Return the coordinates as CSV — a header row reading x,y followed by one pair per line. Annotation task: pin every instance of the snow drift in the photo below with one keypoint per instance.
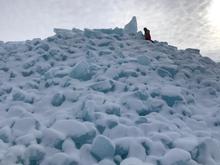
x,y
107,97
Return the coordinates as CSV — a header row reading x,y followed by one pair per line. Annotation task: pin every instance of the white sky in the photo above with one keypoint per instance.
x,y
184,23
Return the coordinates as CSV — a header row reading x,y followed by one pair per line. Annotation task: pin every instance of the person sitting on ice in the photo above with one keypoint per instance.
x,y
147,35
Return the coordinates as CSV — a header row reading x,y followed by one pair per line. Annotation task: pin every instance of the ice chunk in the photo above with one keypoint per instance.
x,y
156,147
72,96
192,51
167,70
70,127
131,27
105,43
34,154
143,60
155,105
17,111
19,95
87,113
123,131
106,162
113,109
27,73
42,68
75,130
107,122
13,155
137,105
141,94
171,95
6,134
171,100
102,147
60,159
68,146
58,99
116,30
93,33
207,152
86,156
81,71
134,161
43,45
52,138
103,86
54,53
64,33
58,72
23,126
141,120
187,143
30,63
26,140
2,51
176,156
125,73
129,147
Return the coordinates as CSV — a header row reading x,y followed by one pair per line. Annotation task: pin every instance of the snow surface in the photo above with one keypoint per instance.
x,y
107,97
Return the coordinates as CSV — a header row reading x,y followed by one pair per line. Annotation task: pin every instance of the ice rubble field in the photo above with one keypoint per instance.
x,y
107,97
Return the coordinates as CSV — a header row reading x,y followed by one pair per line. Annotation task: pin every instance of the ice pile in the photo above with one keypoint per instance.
x,y
107,97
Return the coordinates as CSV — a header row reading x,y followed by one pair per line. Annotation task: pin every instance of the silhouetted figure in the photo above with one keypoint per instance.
x,y
147,35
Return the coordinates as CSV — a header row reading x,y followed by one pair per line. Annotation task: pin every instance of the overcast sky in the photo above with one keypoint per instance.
x,y
184,23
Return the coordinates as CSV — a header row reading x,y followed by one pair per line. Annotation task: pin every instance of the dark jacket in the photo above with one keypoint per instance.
x,y
147,35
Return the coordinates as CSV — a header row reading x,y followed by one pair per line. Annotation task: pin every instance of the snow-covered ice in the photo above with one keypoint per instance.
x,y
107,97
131,27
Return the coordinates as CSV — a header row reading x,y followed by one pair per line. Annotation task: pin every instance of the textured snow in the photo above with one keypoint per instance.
x,y
107,97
